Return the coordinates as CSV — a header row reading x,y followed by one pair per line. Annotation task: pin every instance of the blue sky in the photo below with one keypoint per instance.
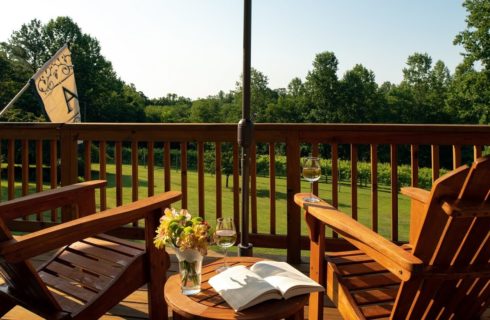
x,y
194,47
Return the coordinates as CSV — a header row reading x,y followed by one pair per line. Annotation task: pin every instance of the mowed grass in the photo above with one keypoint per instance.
x,y
263,199
263,202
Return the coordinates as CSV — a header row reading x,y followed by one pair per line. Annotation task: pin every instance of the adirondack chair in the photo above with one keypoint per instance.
x,y
92,271
442,273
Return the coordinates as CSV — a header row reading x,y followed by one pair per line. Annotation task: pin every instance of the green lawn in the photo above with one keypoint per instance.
x,y
263,208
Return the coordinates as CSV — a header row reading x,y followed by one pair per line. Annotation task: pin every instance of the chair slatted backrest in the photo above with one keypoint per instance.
x,y
23,280
454,245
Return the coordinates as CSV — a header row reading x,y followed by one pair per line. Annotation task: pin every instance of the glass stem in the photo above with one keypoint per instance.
x,y
311,189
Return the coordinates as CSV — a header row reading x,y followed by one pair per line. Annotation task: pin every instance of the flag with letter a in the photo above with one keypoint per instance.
x,y
55,84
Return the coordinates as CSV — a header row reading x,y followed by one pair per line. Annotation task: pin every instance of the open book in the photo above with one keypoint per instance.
x,y
241,287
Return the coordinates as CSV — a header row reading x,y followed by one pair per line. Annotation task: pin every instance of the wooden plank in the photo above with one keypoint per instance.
x,y
105,269
218,177
103,173
371,281
94,282
126,247
375,295
477,152
253,187
66,287
414,163
167,165
394,191
377,311
272,187
361,268
150,162
200,178
353,179
374,187
100,253
183,173
118,160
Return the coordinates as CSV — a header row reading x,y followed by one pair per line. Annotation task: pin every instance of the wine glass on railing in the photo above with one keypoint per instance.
x,y
225,237
312,172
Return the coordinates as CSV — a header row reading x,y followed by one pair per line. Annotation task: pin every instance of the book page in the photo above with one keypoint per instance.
x,y
242,288
284,277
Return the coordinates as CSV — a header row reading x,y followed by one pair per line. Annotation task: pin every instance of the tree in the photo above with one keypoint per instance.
x,y
322,88
103,96
476,38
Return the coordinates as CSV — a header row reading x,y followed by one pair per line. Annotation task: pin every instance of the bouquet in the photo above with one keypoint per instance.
x,y
180,230
190,237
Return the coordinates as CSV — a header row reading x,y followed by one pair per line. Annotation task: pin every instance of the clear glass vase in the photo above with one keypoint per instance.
x,y
190,265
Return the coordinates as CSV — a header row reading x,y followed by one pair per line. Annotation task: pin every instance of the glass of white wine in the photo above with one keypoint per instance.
x,y
225,237
312,172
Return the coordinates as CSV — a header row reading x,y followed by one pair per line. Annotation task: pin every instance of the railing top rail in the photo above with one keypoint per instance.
x,y
264,132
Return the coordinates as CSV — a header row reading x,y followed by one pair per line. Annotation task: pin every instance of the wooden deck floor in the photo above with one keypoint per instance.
x,y
135,306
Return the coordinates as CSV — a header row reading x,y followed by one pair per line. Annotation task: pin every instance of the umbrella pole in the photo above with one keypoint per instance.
x,y
245,130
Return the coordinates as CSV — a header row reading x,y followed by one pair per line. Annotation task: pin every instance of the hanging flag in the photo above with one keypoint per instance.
x,y
55,84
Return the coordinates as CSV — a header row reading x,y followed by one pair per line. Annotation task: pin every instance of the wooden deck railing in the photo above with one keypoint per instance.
x,y
37,156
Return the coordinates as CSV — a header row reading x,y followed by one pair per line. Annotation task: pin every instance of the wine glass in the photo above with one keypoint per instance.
x,y
225,237
312,172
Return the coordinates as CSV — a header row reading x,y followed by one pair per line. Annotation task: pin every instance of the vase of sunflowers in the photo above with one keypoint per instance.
x,y
189,236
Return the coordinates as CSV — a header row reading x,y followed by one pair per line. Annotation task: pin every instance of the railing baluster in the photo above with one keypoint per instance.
x,y
314,153
353,179
150,164
39,172
253,186
477,152
374,187
118,158
394,191
53,172
134,174
103,173
167,165
219,193
456,156
414,163
11,169
183,173
293,186
200,178
25,170
335,179
236,184
88,160
272,187
435,162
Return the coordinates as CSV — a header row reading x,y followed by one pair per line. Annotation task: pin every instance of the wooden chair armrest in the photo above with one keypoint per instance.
x,y
48,199
418,194
36,243
392,257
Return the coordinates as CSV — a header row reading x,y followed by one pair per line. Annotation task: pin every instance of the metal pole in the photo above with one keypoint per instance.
x,y
17,96
245,130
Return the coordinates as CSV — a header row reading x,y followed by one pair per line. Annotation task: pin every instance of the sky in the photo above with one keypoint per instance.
x,y
194,48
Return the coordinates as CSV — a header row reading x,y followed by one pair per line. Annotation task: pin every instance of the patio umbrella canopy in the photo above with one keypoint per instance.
x,y
245,130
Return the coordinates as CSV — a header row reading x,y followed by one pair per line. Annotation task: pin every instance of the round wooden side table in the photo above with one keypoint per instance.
x,y
208,304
